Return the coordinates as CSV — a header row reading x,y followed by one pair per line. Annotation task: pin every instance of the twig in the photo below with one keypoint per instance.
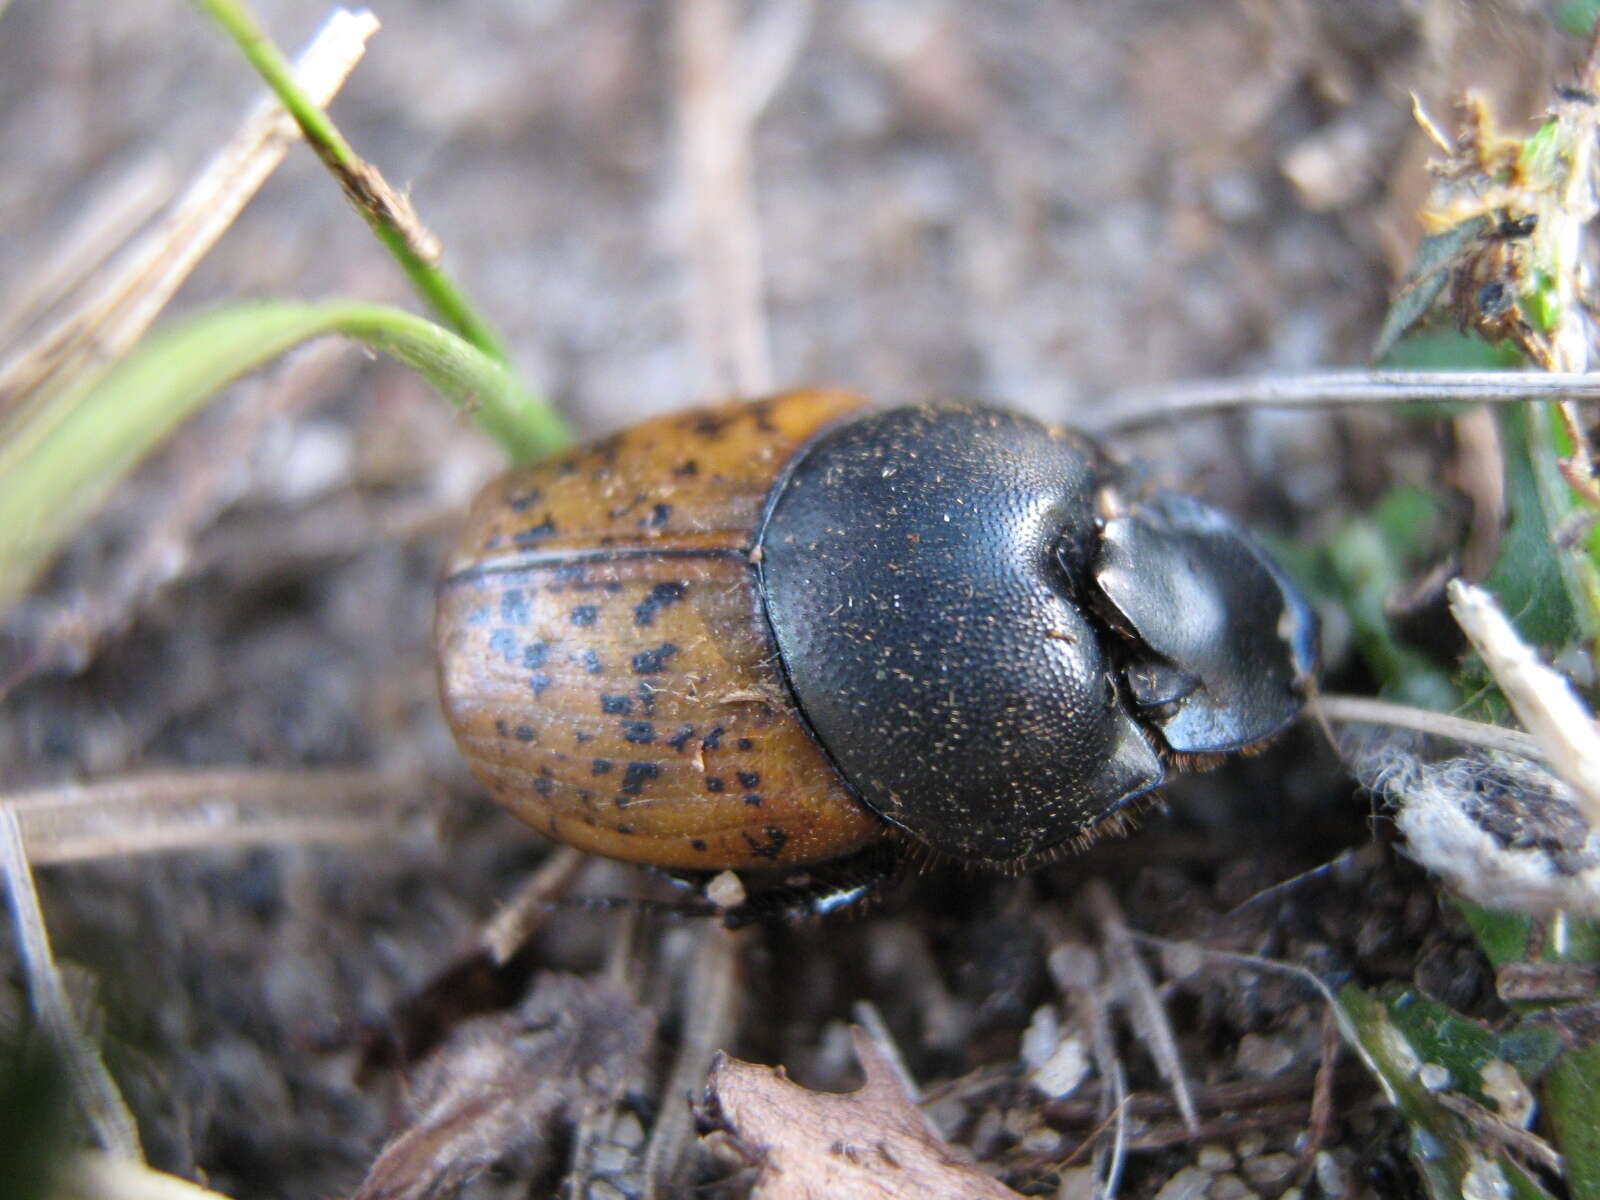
x,y
521,916
1361,710
92,1085
1321,1120
1347,1029
876,1030
709,1004
118,311
1134,409
64,633
1541,698
114,211
93,1176
1139,991
143,814
725,307
388,213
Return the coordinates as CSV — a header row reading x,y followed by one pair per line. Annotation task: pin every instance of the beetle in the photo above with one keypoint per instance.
x,y
774,634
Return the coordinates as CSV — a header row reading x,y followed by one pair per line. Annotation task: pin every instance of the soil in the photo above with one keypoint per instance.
x,y
1029,204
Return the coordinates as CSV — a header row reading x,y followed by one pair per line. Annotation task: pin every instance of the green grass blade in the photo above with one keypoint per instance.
x,y
57,471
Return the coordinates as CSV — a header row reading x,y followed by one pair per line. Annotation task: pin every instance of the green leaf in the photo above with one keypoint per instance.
x,y
1527,578
72,451
1430,272
1403,1031
1463,1047
1572,1095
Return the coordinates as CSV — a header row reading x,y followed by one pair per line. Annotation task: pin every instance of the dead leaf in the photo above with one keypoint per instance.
x,y
504,1087
870,1144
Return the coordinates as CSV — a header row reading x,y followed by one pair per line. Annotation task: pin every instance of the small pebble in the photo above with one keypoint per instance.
x,y
1215,1158
1041,1140
1040,1037
1078,1183
1268,1170
1261,1056
1248,1145
726,890
1434,1077
1510,1094
1230,1187
1188,1184
1330,1176
1065,1069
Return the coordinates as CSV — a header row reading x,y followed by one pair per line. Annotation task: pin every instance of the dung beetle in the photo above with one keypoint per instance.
x,y
776,633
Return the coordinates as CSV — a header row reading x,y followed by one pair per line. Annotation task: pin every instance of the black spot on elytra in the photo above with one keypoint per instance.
x,y
709,426
538,681
617,513
534,655
592,663
745,744
479,615
637,775
762,412
581,737
502,728
535,534
504,643
660,597
513,607
617,706
570,573
641,733
653,662
749,779
647,698
525,733
773,845
544,786
681,739
624,829
600,766
659,516
686,468
753,799
523,501
698,844
585,614
713,739
714,783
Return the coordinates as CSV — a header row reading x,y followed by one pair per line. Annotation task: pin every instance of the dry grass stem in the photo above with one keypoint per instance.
x,y
876,1030
520,918
1138,991
92,1086
709,1001
1542,699
727,318
134,290
1347,1029
92,1176
64,634
1136,408
189,810
127,203
1362,710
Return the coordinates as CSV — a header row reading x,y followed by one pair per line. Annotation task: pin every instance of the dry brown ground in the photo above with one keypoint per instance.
x,y
1029,203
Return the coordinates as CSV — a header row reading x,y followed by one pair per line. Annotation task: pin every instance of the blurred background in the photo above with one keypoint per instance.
x,y
1030,204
